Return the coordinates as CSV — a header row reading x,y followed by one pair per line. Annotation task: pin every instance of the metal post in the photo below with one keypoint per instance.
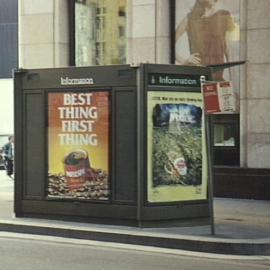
x,y
210,164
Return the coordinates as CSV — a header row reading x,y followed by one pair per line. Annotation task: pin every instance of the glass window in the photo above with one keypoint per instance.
x,y
100,32
226,130
226,144
224,135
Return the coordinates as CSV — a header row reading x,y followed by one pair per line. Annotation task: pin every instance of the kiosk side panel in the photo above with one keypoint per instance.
x,y
125,145
54,108
34,145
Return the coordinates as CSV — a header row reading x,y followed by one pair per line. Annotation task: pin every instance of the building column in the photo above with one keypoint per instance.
x,y
43,33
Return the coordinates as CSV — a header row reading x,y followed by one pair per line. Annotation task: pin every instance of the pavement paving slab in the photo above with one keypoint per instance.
x,y
242,227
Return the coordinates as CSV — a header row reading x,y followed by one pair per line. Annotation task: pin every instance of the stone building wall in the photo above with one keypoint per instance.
x,y
44,42
255,98
43,33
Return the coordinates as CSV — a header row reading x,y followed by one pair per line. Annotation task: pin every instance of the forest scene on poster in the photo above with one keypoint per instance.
x,y
78,145
176,147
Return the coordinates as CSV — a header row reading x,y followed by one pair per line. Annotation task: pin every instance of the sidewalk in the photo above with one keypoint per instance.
x,y
242,227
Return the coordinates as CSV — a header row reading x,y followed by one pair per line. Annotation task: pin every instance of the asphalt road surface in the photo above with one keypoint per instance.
x,y
21,252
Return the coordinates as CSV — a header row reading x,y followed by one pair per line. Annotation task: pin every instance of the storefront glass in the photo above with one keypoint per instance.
x,y
224,135
100,32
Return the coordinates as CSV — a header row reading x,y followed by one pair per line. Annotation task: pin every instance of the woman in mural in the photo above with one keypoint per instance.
x,y
207,29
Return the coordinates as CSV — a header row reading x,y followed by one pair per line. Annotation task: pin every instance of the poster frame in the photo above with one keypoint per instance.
x,y
171,189
186,70
46,107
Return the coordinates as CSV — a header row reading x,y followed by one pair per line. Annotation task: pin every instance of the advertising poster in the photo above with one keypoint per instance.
x,y
208,33
177,162
78,145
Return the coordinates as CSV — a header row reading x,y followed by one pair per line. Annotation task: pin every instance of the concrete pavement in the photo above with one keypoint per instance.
x,y
242,227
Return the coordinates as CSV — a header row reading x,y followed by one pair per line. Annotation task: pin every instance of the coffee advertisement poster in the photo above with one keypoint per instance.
x,y
78,145
177,162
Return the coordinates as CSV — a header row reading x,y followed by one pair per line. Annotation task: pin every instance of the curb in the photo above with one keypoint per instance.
x,y
214,245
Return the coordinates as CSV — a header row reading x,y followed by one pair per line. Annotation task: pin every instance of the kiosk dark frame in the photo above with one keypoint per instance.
x,y
128,204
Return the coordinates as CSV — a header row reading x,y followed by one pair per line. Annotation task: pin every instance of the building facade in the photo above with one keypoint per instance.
x,y
9,60
59,33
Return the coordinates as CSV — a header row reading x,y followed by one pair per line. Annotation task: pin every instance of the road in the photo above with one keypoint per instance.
x,y
21,252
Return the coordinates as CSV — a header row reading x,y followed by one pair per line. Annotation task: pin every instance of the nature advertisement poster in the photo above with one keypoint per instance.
x,y
78,145
177,161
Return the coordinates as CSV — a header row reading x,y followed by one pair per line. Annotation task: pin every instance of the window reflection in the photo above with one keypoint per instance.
x,y
224,135
100,32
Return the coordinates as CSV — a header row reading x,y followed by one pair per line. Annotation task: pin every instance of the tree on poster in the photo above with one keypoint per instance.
x,y
177,167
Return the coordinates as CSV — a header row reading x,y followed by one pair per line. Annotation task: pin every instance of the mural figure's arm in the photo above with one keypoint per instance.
x,y
193,59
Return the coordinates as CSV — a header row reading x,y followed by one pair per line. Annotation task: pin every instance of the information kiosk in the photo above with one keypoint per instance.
x,y
111,144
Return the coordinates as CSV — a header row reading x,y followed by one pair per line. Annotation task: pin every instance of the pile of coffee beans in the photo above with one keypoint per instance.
x,y
96,188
